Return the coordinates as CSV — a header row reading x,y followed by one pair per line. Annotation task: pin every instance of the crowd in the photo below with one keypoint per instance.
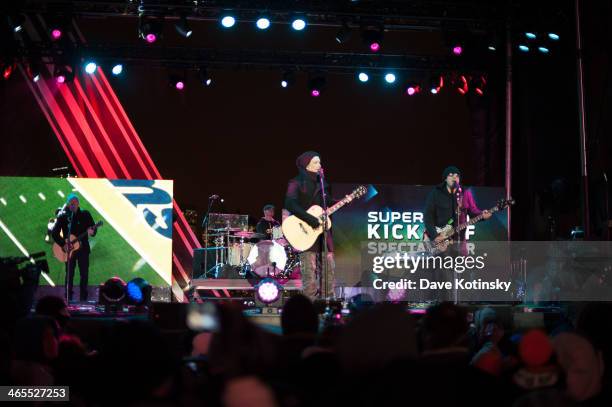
x,y
379,356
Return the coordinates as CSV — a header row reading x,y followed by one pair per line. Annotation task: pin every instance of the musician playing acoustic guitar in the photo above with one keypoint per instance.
x,y
75,221
303,191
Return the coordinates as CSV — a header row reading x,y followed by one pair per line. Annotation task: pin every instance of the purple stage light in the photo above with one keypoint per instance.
x,y
315,93
268,290
180,85
60,79
151,38
56,33
411,91
374,47
457,50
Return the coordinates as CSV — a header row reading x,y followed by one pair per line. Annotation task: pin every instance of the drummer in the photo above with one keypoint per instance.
x,y
267,223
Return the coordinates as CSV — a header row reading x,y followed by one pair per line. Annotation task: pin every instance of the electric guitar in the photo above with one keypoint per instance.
x,y
301,235
448,231
75,242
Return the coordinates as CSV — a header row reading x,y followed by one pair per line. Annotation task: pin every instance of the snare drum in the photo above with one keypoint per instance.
x,y
277,232
267,258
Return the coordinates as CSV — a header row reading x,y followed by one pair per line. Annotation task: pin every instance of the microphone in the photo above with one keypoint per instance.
x,y
321,171
457,186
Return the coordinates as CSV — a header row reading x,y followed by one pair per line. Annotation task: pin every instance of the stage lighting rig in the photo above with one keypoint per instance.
x,y
63,73
205,77
344,34
288,79
228,21
478,83
316,84
150,28
372,36
182,27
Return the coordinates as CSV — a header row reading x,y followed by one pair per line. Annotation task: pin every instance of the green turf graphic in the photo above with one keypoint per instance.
x,y
27,204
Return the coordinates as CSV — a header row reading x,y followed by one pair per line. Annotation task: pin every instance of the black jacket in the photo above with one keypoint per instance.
x,y
80,222
304,191
441,207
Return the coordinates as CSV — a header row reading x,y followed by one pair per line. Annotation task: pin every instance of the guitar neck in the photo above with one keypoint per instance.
x,y
474,220
337,205
82,235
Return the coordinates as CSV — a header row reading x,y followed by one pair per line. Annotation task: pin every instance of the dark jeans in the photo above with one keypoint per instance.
x,y
82,258
311,268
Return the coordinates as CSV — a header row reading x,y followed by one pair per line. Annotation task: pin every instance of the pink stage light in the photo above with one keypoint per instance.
x,y
60,79
56,34
151,38
315,93
412,90
374,47
457,50
180,85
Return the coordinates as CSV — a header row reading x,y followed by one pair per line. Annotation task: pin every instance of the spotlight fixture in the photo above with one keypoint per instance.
x,y
553,36
182,27
457,49
390,77
56,33
316,85
205,77
530,35
461,84
268,290
436,83
373,38
413,88
7,70
263,23
177,81
63,74
523,48
298,23
544,50
138,292
112,292
16,22
478,84
228,21
288,79
34,71
149,28
117,69
363,77
343,34
90,67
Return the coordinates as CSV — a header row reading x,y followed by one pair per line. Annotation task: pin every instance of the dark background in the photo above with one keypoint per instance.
x,y
240,138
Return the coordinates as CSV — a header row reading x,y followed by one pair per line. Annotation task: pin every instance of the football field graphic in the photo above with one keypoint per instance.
x,y
135,241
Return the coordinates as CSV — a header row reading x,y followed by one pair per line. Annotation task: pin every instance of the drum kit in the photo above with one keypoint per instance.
x,y
250,254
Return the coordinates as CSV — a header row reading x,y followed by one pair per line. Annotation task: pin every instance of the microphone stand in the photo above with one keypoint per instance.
x,y
211,200
325,232
70,216
459,196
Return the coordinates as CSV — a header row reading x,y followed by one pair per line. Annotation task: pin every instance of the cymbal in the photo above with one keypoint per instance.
x,y
249,235
226,229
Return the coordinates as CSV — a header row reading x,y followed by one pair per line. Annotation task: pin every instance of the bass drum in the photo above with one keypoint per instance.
x,y
267,259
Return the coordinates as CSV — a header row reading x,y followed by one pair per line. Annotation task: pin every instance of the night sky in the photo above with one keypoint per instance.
x,y
240,137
